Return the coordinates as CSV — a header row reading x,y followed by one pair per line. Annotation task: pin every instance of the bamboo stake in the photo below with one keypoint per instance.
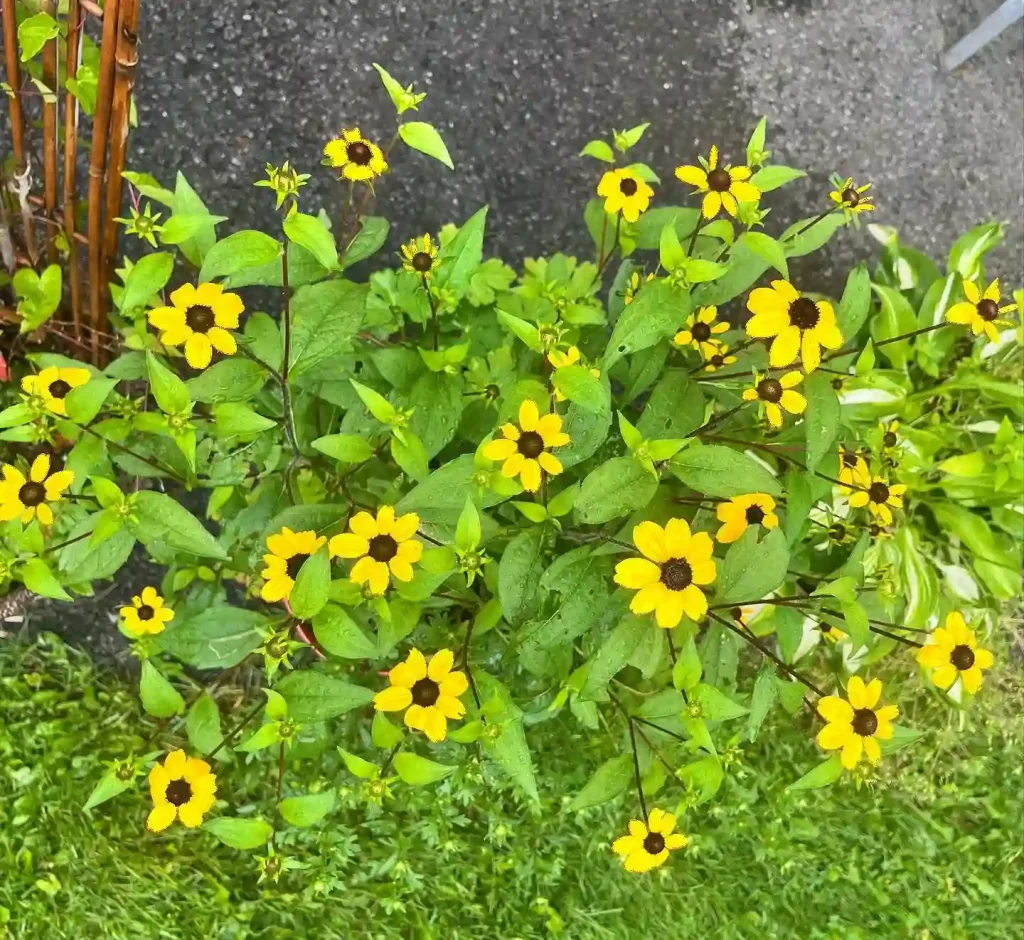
x,y
75,28
97,166
50,135
126,57
14,80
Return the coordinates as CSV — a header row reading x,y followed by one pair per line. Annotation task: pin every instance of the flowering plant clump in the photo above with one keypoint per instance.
x,y
432,510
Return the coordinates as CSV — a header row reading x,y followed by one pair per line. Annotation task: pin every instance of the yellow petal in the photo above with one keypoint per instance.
x,y
785,347
161,817
693,176
454,684
401,569
392,699
835,709
972,679
379,577
810,352
852,750
434,724
175,764
385,519
647,599
549,463
362,523
405,526
872,750
440,664
745,192
793,402
500,449
695,604
649,538
529,475
962,313
198,351
347,545
711,205
528,415
40,468
971,292
636,573
834,736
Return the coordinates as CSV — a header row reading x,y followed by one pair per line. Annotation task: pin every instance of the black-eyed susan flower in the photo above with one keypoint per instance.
x,y
719,359
853,469
879,496
668,579
743,511
648,844
878,532
428,693
356,157
420,256
30,498
890,437
199,318
288,553
571,357
52,385
634,285
724,186
182,788
831,633
526,450
799,325
384,546
777,395
623,190
699,330
856,726
839,533
147,613
851,198
981,310
953,652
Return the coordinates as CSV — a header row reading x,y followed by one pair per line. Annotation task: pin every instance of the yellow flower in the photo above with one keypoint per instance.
x,y
981,311
526,450
356,157
429,694
29,499
700,327
799,324
856,725
571,357
742,511
953,651
147,613
647,846
878,497
777,395
666,579
851,198
199,318
831,633
724,187
878,532
384,546
889,436
634,285
623,190
719,359
182,788
288,553
853,469
420,256
53,384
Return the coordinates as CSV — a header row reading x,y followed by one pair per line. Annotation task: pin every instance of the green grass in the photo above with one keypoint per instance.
x,y
933,849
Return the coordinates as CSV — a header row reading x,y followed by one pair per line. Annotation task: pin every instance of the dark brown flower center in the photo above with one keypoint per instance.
x,y
825,628
865,722
422,262
145,612
837,532
676,574
878,492
59,388
383,548
769,390
359,152
755,515
719,180
492,391
736,613
701,332
717,361
837,384
654,843
850,197
875,530
988,309
890,439
179,792
628,187
295,563
849,459
962,657
32,494
803,312
200,318
530,444
425,692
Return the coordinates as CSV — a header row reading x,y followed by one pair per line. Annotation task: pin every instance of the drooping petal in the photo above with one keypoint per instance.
x,y
810,351
872,750
434,724
785,347
549,463
695,604
198,350
161,817
646,599
529,476
852,750
669,610
711,205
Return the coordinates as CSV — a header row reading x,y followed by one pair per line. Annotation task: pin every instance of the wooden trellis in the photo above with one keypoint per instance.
x,y
31,224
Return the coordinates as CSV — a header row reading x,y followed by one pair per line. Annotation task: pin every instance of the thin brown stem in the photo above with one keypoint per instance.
x,y
14,80
50,132
615,243
812,223
286,398
636,768
75,22
234,732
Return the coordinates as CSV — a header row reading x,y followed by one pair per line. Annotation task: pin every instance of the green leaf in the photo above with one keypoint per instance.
x,y
608,781
234,379
160,518
652,223
147,278
349,448
703,777
418,771
968,250
895,318
187,202
16,415
670,250
245,249
84,561
376,404
39,579
384,733
613,654
821,421
309,595
325,318
168,390
519,573
423,137
764,246
364,769
403,99
617,487
901,738
180,228
242,834
716,470
753,569
715,706
755,145
233,419
109,786
577,384
766,691
84,403
341,636
460,258
309,232
372,234
655,314
824,775
34,32
798,245
772,177
306,810
599,150
855,303
675,408
468,532
203,725
314,696
525,330
999,570
687,670
215,638
410,455
510,751
159,698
